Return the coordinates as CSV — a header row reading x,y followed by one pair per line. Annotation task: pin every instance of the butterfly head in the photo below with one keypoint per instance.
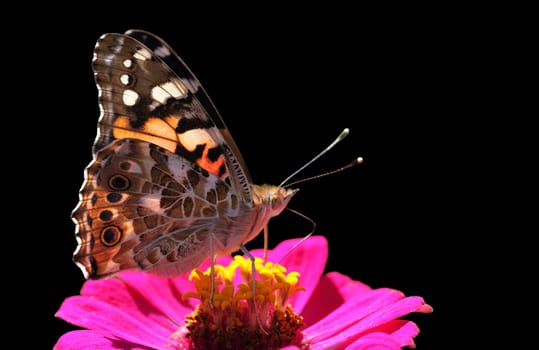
x,y
273,199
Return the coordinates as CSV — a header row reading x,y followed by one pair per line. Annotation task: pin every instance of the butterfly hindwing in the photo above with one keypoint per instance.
x,y
142,206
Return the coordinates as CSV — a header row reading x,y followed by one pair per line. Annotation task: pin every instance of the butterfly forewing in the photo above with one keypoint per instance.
x,y
162,50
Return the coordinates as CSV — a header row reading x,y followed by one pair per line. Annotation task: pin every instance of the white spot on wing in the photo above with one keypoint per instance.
x,y
142,54
162,51
159,94
127,63
108,58
125,79
173,88
194,137
130,97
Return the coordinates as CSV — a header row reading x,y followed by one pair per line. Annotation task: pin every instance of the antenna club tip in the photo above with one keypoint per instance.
x,y
359,160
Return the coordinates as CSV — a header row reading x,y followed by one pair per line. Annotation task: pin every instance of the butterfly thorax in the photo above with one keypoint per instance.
x,y
268,201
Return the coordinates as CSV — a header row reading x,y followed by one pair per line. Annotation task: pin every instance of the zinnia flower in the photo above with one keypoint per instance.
x,y
300,309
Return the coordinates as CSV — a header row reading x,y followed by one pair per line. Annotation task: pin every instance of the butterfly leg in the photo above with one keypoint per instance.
x,y
253,284
212,271
266,243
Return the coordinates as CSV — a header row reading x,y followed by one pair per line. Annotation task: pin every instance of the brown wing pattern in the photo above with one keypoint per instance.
x,y
142,206
142,97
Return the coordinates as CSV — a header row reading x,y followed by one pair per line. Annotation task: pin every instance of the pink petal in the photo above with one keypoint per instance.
x,y
142,296
128,325
375,341
129,293
393,311
347,287
93,340
352,311
332,291
163,294
403,332
382,312
393,335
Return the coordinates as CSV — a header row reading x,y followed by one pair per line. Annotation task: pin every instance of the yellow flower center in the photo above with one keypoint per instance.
x,y
239,317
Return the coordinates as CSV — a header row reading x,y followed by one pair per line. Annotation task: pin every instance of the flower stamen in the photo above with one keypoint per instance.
x,y
240,318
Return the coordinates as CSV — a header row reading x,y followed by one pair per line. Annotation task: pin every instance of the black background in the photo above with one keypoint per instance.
x,y
286,84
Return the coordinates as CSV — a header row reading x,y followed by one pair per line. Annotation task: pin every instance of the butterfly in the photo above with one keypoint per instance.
x,y
167,187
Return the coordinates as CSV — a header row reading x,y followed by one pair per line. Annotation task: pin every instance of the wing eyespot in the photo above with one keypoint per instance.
x,y
125,165
110,236
119,182
114,197
105,215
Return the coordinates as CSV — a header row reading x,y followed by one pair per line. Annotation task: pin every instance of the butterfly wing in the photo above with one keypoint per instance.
x,y
145,87
162,50
165,169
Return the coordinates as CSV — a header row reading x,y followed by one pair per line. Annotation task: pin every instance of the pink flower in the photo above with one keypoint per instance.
x,y
138,310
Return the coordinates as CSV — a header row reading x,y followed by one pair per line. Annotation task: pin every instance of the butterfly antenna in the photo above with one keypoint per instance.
x,y
339,138
355,162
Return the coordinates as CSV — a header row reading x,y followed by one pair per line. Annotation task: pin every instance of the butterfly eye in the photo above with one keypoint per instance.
x,y
111,236
119,182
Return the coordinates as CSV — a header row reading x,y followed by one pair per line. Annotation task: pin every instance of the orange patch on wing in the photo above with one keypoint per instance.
x,y
172,121
205,163
155,131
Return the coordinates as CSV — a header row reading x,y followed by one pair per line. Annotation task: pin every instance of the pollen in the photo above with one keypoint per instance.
x,y
240,316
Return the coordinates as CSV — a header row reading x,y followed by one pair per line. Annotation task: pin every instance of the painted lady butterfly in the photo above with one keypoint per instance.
x,y
167,187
